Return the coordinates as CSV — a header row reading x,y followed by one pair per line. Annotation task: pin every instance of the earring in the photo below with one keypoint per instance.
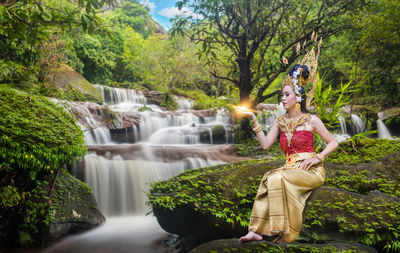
x,y
298,108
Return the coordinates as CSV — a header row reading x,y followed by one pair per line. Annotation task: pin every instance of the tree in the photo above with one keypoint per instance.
x,y
25,25
259,34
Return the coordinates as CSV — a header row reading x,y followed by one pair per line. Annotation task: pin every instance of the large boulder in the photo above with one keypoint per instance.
x,y
73,208
232,245
360,205
65,78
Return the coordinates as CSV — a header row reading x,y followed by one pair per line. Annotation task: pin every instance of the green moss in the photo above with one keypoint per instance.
x,y
366,150
169,102
221,246
372,220
37,137
70,194
70,93
144,108
254,149
228,191
229,197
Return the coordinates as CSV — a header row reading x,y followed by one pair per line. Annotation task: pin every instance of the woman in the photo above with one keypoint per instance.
x,y
282,193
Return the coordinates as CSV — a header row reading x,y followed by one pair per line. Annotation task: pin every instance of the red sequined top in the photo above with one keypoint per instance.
x,y
302,142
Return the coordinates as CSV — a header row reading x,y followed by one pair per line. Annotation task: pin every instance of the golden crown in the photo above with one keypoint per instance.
x,y
311,61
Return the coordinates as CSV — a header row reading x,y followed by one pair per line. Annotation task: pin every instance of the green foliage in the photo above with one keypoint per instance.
x,y
9,196
37,137
169,101
328,101
251,147
368,54
12,72
362,150
202,101
371,226
70,94
136,16
144,108
97,55
27,24
254,61
392,247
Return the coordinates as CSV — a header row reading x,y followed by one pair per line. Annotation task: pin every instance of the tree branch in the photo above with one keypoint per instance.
x,y
214,74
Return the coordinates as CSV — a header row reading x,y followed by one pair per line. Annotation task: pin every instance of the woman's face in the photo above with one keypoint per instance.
x,y
288,98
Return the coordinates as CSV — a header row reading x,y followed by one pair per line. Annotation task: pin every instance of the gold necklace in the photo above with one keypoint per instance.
x,y
291,125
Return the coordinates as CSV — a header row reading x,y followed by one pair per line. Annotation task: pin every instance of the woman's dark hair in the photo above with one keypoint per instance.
x,y
305,73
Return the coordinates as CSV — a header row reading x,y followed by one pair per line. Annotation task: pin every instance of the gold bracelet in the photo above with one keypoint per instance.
x,y
320,157
257,129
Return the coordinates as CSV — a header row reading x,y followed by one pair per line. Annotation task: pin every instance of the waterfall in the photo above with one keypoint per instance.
x,y
156,145
360,125
118,184
343,126
120,95
383,131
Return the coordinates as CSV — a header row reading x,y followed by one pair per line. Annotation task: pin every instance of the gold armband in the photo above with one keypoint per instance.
x,y
257,129
320,157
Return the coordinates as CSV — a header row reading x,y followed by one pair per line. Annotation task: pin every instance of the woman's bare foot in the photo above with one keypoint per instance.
x,y
281,241
251,236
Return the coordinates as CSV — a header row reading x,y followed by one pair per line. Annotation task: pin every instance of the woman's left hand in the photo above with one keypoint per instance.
x,y
307,163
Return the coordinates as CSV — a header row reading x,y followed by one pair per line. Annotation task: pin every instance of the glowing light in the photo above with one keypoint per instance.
x,y
242,109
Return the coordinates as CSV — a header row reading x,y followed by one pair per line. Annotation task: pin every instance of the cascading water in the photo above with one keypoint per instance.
x,y
383,131
121,161
132,142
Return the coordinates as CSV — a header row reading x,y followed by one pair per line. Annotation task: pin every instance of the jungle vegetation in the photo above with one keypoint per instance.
x,y
234,51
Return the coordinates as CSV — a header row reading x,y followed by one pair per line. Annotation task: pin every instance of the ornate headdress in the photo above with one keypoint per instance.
x,y
296,80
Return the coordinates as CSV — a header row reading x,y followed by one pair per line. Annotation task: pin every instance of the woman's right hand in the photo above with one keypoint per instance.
x,y
247,114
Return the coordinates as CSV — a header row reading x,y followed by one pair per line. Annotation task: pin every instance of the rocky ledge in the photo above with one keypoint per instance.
x,y
359,202
73,208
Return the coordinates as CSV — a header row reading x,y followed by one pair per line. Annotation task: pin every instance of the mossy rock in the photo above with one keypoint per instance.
x,y
333,214
37,137
233,246
67,79
164,99
218,134
355,151
212,203
73,208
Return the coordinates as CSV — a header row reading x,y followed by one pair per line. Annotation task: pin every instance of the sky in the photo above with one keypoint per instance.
x,y
163,10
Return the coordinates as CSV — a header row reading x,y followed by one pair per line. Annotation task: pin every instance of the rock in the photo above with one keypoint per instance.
x,y
218,134
167,153
338,215
73,208
390,112
153,97
92,115
330,215
391,117
215,203
165,99
64,77
205,113
232,245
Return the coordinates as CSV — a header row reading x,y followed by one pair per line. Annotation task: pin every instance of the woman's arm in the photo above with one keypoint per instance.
x,y
266,141
319,127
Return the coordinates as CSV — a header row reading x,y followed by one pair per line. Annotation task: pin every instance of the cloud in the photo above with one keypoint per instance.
x,y
150,5
173,11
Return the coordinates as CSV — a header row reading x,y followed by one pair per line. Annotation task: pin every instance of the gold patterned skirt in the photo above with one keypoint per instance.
x,y
282,195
